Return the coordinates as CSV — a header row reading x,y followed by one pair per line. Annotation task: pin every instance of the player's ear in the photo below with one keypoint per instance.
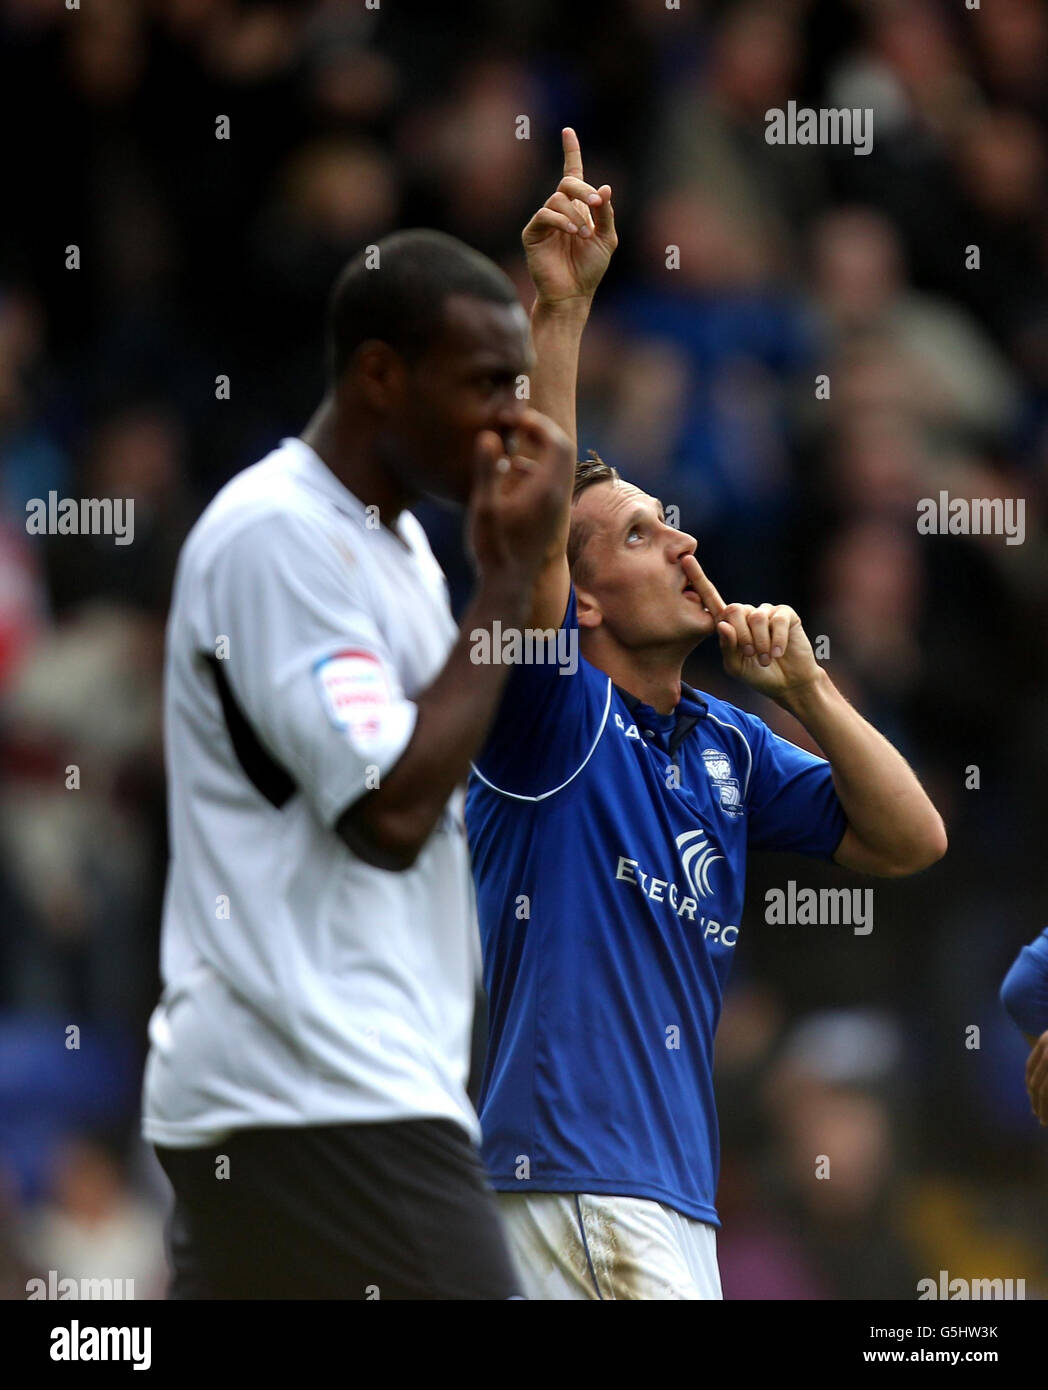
x,y
587,608
380,374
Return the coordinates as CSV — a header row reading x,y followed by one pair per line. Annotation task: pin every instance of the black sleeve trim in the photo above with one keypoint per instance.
x,y
262,770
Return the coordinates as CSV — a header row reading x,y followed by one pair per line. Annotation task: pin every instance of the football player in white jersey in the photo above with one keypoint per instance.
x,y
305,1088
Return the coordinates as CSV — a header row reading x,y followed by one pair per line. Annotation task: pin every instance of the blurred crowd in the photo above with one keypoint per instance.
x,y
202,258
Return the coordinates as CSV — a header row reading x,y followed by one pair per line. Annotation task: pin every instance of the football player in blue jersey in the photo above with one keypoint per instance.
x,y
1024,995
610,814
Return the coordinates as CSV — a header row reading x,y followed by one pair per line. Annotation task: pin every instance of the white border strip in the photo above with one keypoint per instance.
x,y
514,796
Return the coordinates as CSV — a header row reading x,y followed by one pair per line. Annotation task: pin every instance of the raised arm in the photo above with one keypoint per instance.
x,y
568,244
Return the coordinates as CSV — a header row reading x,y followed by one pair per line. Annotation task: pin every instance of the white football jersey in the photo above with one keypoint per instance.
x,y
301,985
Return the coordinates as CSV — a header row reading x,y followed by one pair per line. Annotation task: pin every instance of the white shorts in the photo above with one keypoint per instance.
x,y
575,1246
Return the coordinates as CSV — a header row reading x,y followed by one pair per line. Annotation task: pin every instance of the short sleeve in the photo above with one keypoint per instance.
x,y
792,804
1024,992
551,714
305,659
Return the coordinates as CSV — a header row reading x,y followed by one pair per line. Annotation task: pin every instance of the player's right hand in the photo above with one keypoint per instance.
x,y
570,240
519,496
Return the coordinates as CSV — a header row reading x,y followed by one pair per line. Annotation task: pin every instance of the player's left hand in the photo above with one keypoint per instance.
x,y
1037,1078
569,241
765,646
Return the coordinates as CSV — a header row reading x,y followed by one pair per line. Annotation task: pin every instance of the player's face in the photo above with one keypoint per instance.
x,y
632,578
467,382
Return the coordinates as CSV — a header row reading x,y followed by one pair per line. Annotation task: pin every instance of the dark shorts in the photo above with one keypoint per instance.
x,y
395,1210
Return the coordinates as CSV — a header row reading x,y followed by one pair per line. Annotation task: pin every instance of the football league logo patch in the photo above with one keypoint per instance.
x,y
355,694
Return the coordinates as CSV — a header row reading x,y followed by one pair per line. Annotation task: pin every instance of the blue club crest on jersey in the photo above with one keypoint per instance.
x,y
721,774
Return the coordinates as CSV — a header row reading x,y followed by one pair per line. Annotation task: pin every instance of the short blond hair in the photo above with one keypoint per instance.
x,y
588,472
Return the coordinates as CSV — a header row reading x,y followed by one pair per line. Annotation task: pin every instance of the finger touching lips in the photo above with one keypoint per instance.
x,y
695,576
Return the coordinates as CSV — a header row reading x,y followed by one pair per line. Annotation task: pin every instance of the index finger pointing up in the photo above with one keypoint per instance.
x,y
572,152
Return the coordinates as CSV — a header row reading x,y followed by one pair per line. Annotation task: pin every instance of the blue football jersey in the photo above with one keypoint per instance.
x,y
609,853
1024,992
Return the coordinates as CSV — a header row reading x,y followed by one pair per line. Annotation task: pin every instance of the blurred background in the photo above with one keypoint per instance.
x,y
202,257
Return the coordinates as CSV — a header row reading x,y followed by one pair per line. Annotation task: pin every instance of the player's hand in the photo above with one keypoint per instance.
x,y
765,646
1037,1078
519,496
570,239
